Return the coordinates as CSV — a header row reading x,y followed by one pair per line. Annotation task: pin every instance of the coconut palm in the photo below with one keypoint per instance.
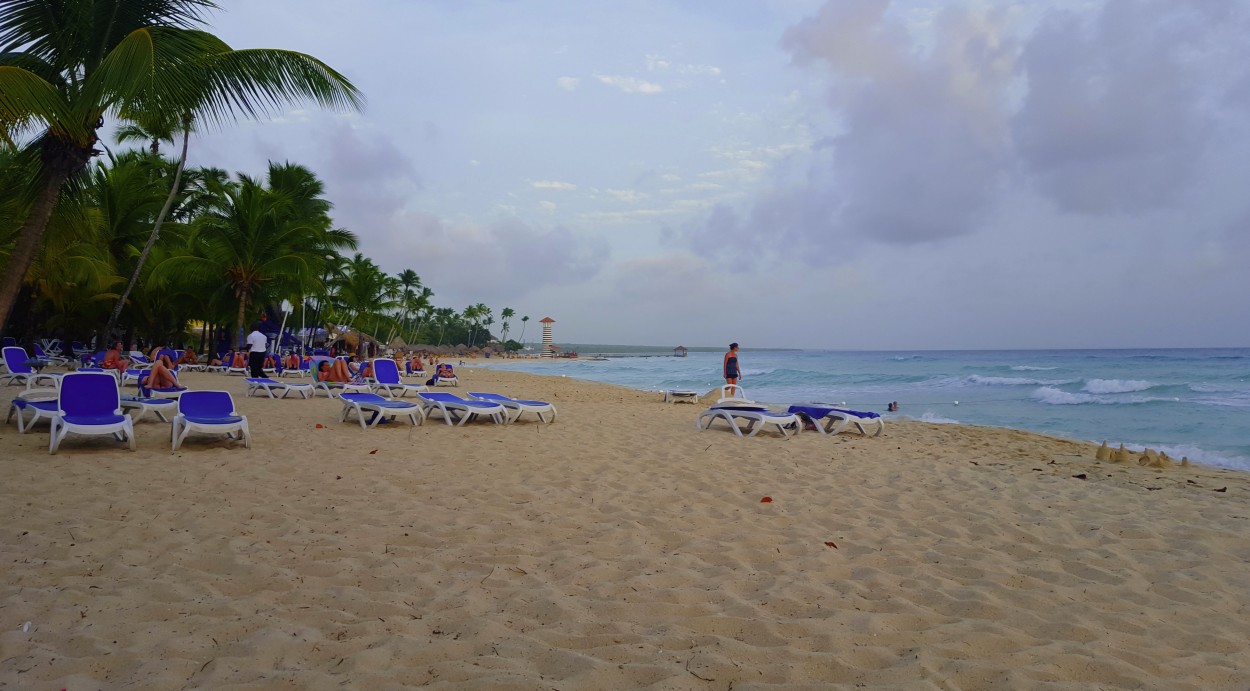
x,y
65,65
524,323
255,240
506,316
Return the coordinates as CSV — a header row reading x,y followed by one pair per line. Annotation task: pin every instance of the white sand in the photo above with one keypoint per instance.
x,y
617,548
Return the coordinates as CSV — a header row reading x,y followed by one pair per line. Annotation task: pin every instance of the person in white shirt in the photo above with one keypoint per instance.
x,y
256,346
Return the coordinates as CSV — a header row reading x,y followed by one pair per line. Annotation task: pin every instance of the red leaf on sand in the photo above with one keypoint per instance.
x,y
373,451
766,500
319,425
831,544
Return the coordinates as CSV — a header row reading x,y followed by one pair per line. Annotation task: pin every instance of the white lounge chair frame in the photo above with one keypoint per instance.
x,y
462,411
385,408
839,419
183,427
516,407
269,385
757,418
733,394
123,429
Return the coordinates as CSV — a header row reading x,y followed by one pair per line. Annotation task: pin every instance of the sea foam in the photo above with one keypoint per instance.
x,y
1116,385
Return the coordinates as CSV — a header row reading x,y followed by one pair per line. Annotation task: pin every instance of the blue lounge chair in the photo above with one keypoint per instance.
x,y
41,354
212,412
410,372
386,378
838,419
22,370
757,418
445,375
175,391
90,403
381,408
457,410
40,408
334,388
516,406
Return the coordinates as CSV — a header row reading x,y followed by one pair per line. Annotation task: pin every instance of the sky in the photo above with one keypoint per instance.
x,y
843,174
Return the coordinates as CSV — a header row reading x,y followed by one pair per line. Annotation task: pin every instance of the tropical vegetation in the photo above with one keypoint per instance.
x,y
137,246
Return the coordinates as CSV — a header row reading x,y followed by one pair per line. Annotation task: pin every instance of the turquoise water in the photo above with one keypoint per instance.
x,y
1186,402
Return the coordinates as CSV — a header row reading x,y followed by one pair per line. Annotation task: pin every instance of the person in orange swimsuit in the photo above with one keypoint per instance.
x,y
115,360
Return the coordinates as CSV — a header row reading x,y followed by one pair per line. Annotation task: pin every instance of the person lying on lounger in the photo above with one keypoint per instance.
x,y
291,361
161,375
239,361
188,358
333,370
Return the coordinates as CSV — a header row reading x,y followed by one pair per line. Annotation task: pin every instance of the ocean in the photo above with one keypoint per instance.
x,y
1185,402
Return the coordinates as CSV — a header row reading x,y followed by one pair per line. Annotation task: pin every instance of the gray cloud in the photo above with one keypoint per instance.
x,y
1101,109
509,259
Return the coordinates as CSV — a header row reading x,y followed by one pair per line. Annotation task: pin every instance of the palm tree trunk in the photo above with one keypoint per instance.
x,y
156,231
242,313
28,239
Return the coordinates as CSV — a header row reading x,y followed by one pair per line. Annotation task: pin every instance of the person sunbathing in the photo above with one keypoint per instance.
x,y
114,360
161,375
188,358
415,364
333,371
271,361
291,361
239,361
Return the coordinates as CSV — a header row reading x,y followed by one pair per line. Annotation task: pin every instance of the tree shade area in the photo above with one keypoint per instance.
x,y
135,246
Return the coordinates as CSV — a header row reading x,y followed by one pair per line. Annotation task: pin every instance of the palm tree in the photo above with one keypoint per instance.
x,y
506,315
255,240
67,64
524,323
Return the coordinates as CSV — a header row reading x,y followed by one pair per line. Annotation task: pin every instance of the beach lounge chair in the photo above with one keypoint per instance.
x,y
334,388
457,410
175,391
212,412
516,406
410,372
90,403
381,409
41,403
681,396
837,419
22,369
386,378
445,375
732,394
138,406
757,418
302,371
271,385
49,355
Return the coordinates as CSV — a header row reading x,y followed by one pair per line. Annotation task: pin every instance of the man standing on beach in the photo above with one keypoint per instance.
x,y
732,372
256,345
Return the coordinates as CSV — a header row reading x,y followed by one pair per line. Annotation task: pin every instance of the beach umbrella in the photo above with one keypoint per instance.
x,y
286,310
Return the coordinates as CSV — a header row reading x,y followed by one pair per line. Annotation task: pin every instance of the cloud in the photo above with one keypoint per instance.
x,y
1117,114
553,185
630,85
568,83
627,195
510,259
937,127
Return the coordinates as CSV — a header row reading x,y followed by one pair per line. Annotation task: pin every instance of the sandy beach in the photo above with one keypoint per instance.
x,y
616,548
